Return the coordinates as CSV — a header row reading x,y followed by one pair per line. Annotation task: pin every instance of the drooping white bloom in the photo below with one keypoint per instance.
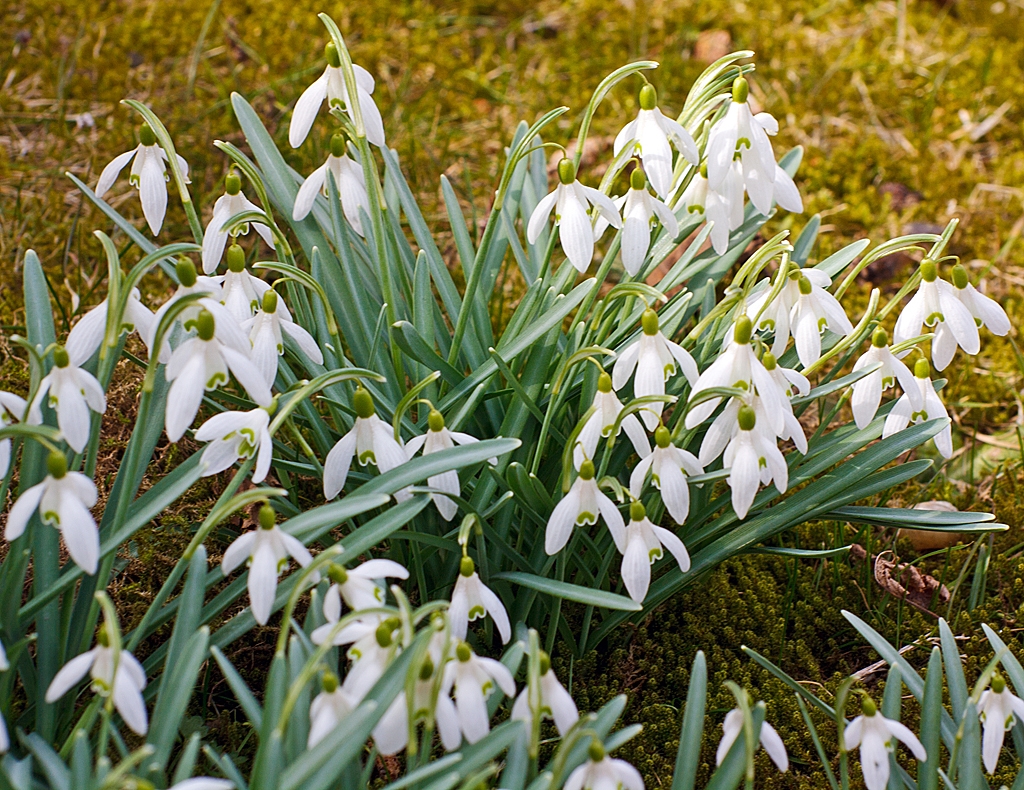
x,y
555,702
997,707
739,367
582,505
876,736
349,180
237,436
774,316
473,678
769,739
753,458
654,357
742,131
438,437
241,292
867,391
265,333
331,86
928,407
607,408
640,209
723,206
785,191
472,599
329,708
11,406
229,204
120,675
358,587
814,311
668,466
652,134
86,336
571,201
63,500
986,311
373,649
148,175
371,441
188,283
601,772
267,549
936,305
73,392
202,363
645,544
790,429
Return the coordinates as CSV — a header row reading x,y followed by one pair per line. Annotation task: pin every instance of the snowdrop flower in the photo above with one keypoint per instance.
x,y
774,316
188,283
357,587
581,505
203,783
241,292
72,393
331,86
148,175
472,599
654,357
650,135
996,708
668,466
790,428
571,201
474,678
371,441
732,726
438,437
371,654
723,206
737,366
936,304
349,180
753,459
265,333
607,408
986,311
11,406
216,236
86,336
639,211
876,736
329,708
267,549
790,382
814,311
63,500
867,391
601,772
202,363
740,129
555,701
785,191
928,407
645,544
118,674
237,436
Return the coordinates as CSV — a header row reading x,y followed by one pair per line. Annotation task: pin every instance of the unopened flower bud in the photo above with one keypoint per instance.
x,y
270,301
637,179
747,418
805,285
587,470
268,518
922,369
186,272
596,751
338,145
236,259
880,338
103,637
329,682
56,465
637,511
743,330
929,270
604,382
435,421
998,684
232,183
566,171
205,325
60,357
363,403
467,567
868,707
740,90
463,652
662,437
146,135
337,573
331,53
545,663
648,97
426,668
960,278
769,361
383,633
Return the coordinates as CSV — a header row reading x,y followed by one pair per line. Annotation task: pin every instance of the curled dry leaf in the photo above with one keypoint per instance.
x,y
905,581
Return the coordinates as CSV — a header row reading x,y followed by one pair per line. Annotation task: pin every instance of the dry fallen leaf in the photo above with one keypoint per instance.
x,y
905,581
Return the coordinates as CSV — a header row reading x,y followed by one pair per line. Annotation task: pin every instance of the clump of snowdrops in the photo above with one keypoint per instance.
x,y
330,355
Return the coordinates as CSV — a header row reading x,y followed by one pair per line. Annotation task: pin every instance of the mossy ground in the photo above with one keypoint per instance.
x,y
889,99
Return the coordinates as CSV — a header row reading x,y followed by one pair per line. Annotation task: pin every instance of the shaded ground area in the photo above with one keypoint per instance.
x,y
910,114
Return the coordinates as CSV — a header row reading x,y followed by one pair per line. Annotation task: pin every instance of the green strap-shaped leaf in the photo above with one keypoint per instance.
x,y
570,592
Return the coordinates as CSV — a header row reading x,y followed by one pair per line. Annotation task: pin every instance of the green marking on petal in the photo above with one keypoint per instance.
x,y
477,612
